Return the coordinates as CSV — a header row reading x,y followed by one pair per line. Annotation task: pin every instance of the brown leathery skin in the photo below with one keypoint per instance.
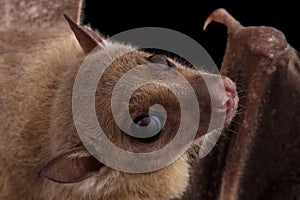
x,y
260,157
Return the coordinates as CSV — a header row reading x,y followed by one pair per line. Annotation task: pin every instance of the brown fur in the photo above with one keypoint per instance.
x,y
32,109
37,72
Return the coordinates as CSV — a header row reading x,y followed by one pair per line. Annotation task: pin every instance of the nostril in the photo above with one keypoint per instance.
x,y
230,94
228,103
230,87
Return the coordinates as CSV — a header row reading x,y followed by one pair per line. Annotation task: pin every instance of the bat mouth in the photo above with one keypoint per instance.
x,y
231,107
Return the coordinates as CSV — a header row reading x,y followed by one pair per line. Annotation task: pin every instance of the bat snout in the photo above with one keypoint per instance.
x,y
218,101
231,99
231,93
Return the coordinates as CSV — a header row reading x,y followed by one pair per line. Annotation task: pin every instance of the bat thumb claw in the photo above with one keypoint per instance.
x,y
206,23
223,17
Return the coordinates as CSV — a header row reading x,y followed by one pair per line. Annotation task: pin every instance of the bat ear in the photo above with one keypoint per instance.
x,y
71,166
87,38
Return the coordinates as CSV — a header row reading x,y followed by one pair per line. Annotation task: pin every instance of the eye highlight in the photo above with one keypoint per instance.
x,y
147,128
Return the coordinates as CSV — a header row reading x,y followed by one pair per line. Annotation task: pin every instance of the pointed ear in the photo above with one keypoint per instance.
x,y
71,166
87,38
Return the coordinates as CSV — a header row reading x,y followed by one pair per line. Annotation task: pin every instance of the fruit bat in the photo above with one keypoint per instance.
x,y
41,153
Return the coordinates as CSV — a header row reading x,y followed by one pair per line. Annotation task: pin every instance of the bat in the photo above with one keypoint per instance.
x,y
260,156
42,155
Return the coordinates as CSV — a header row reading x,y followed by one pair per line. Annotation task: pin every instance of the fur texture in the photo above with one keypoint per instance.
x,y
36,124
37,72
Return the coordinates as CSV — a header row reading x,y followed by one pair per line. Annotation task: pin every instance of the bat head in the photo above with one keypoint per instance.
x,y
155,115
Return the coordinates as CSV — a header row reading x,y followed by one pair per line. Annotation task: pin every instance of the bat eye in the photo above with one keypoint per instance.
x,y
147,128
161,60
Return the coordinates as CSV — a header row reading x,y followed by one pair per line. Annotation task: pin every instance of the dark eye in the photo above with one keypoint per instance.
x,y
161,60
146,128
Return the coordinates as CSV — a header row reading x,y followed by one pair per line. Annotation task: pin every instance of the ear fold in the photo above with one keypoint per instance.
x,y
71,166
87,38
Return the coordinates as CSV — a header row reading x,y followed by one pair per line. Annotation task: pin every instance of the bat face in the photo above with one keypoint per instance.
x,y
162,93
151,127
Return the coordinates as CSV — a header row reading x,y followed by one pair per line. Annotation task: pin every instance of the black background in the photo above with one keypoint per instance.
x,y
111,17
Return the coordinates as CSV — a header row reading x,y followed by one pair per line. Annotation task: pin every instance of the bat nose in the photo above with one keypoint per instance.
x,y
217,98
232,99
230,87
